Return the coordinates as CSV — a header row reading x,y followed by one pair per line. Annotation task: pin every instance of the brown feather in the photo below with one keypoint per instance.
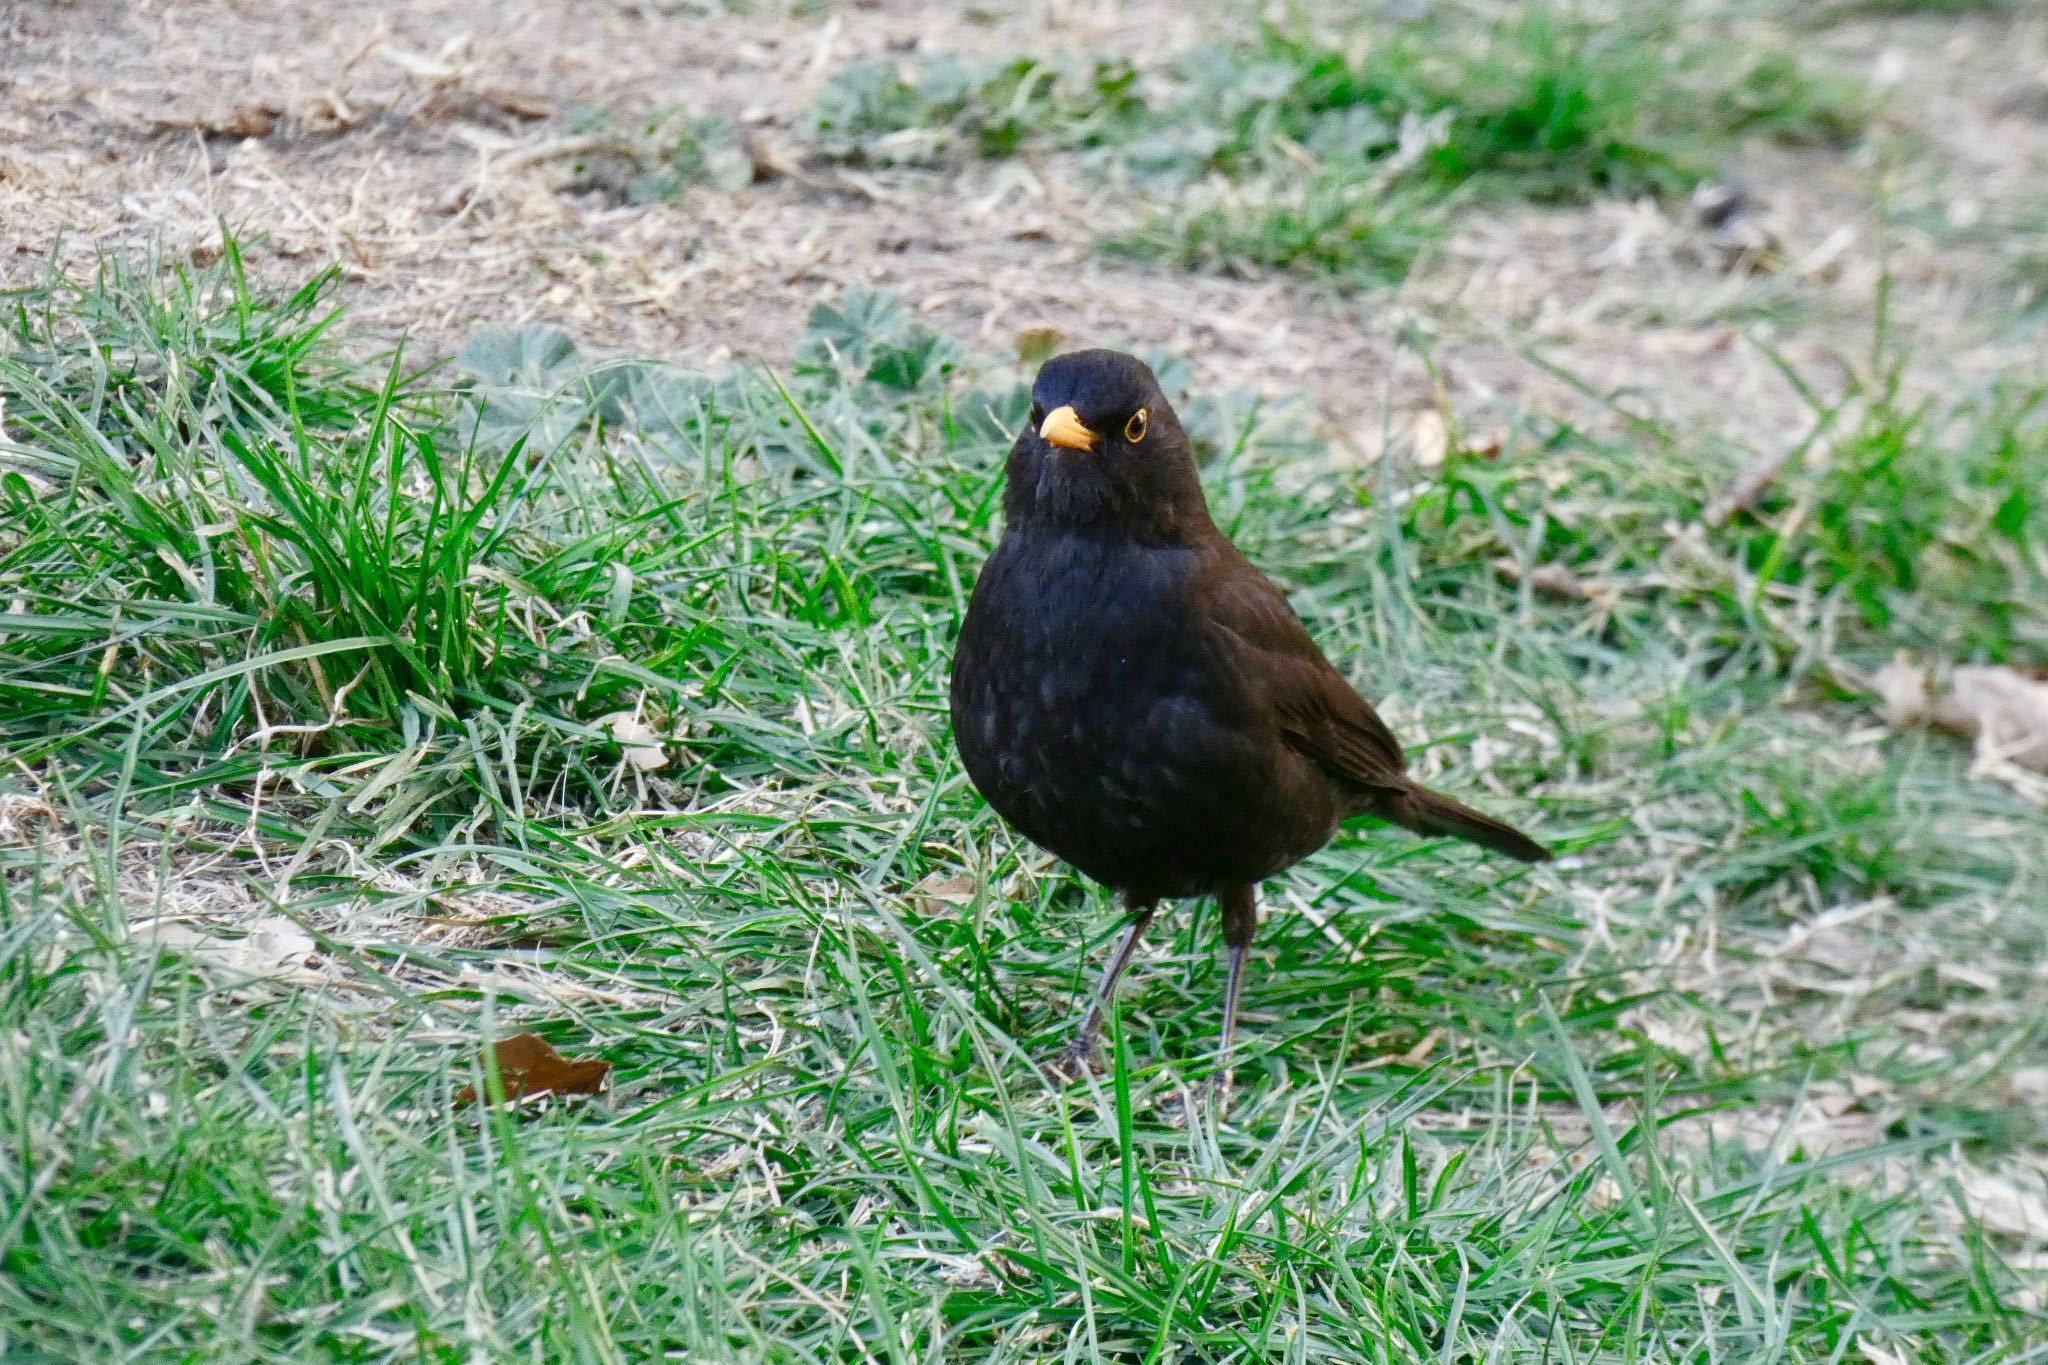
x,y
1412,806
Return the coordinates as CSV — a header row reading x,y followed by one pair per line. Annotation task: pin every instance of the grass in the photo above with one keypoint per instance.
x,y
1898,523
379,654
658,156
1343,154
877,111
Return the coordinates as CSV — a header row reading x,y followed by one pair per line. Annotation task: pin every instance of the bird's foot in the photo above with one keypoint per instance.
x,y
1078,1059
1220,1088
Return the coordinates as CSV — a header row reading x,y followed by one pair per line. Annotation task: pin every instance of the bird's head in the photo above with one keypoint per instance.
x,y
1104,447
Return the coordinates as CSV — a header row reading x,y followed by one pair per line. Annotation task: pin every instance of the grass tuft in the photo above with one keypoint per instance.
x,y
1340,155
882,112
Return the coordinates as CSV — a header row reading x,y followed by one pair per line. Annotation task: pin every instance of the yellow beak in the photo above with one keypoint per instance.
x,y
1066,430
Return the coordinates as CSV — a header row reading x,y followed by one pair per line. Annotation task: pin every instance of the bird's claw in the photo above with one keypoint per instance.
x,y
1078,1059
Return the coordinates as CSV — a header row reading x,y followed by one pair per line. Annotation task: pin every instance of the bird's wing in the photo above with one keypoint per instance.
x,y
1318,712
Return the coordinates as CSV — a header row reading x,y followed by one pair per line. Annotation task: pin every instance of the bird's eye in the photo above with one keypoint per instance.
x,y
1134,430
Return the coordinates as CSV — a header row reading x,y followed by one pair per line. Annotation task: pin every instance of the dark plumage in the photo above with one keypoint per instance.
x,y
1134,696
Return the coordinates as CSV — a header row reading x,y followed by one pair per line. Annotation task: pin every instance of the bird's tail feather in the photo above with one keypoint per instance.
x,y
1427,812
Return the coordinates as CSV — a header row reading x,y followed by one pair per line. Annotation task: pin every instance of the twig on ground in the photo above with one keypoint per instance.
x,y
519,158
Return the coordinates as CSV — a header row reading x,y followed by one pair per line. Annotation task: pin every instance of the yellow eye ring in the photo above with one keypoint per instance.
x,y
1134,430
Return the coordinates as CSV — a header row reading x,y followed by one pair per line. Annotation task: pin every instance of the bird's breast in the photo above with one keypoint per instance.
x,y
1073,621
1093,711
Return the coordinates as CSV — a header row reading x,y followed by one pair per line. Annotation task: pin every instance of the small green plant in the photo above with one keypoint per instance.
x,y
1540,101
668,151
1931,522
867,336
1917,524
678,149
1797,103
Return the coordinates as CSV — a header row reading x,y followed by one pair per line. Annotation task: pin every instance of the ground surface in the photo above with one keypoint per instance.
x,y
126,127
658,766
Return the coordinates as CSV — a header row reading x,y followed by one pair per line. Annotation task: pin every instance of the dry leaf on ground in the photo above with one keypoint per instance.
x,y
1429,438
272,946
528,1066
940,892
2010,1202
638,742
25,818
2001,708
1418,434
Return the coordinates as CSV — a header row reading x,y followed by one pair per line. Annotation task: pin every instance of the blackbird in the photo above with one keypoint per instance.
x,y
1134,696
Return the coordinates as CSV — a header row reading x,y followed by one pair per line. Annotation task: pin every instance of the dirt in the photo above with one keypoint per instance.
x,y
420,148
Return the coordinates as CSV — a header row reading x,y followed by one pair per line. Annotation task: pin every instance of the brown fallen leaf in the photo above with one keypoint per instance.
x,y
2001,708
528,1066
939,892
1487,445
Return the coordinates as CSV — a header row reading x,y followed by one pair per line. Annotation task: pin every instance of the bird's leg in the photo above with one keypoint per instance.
x,y
1240,921
1082,1051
